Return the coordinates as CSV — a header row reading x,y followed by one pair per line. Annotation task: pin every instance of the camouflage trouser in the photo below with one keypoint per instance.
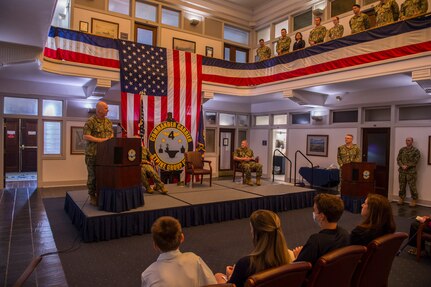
x,y
409,178
248,167
147,172
90,161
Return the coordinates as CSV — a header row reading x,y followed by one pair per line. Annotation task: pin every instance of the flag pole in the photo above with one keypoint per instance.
x,y
141,118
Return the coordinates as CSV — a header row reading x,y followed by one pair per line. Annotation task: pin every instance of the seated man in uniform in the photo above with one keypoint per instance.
x,y
248,163
148,171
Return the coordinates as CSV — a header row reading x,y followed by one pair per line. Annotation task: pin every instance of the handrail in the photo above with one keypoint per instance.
x,y
312,166
273,165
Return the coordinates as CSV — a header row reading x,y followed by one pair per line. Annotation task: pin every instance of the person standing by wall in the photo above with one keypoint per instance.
x,y
97,129
407,159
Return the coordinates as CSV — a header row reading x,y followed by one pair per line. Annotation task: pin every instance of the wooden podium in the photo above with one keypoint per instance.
x,y
118,174
357,178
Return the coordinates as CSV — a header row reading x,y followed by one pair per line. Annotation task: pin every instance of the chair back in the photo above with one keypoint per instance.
x,y
292,275
336,268
194,158
375,265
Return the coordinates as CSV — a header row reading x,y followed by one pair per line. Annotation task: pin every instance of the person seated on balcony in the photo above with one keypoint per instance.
x,y
327,210
378,220
148,172
174,268
414,226
245,155
270,249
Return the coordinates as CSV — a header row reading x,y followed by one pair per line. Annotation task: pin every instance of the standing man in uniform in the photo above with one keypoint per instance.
x,y
248,162
148,171
97,129
263,52
336,31
359,22
317,35
411,8
387,11
407,159
348,152
283,44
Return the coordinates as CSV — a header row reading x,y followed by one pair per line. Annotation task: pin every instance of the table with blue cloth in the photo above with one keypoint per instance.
x,y
320,176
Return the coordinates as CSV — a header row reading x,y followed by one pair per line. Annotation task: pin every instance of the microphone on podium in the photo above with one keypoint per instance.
x,y
122,128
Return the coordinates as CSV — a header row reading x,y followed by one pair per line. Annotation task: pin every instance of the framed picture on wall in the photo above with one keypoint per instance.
x,y
317,145
104,28
184,45
77,142
429,150
83,26
209,51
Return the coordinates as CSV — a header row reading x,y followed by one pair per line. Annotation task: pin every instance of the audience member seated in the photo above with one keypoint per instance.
x,y
414,229
172,267
299,43
270,249
377,220
327,210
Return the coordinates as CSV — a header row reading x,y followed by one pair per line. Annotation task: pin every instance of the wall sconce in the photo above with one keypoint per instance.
x,y
194,22
317,118
338,98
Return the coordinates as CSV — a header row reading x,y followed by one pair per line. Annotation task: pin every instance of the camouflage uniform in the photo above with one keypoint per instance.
x,y
386,12
263,53
248,166
347,154
317,35
410,157
336,32
411,8
359,23
283,44
147,172
99,128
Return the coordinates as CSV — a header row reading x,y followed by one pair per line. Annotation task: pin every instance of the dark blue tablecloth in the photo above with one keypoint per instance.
x,y
320,176
119,200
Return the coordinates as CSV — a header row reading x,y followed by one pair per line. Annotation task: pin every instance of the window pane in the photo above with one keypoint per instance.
x,y
243,120
52,108
170,17
210,118
146,11
20,106
301,119
114,112
227,120
145,36
210,140
345,117
283,24
235,35
119,6
52,138
264,34
242,135
227,53
262,120
280,119
303,20
341,6
240,56
415,113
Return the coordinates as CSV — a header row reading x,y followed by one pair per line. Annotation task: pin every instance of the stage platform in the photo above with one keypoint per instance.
x,y
202,204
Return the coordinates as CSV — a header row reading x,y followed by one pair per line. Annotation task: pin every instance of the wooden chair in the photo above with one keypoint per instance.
x,y
292,275
336,268
195,165
421,237
237,168
374,267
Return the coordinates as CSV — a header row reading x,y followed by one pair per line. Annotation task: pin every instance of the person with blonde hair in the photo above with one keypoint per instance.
x,y
378,220
270,249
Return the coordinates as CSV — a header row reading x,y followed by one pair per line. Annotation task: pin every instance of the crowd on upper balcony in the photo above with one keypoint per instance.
x,y
386,12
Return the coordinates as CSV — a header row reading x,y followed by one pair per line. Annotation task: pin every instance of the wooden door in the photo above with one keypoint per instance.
x,y
227,141
11,145
375,147
28,145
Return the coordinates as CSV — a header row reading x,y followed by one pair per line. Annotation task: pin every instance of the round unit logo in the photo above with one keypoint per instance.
x,y
131,154
168,142
366,174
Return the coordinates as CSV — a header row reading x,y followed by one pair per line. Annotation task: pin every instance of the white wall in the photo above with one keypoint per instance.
x,y
255,141
421,141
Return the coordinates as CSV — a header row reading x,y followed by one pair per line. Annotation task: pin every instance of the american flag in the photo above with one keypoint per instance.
x,y
171,81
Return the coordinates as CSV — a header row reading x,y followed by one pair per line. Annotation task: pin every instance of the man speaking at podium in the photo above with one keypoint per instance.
x,y
348,152
97,129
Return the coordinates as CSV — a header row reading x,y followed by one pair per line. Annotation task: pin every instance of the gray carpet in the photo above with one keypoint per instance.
x,y
120,262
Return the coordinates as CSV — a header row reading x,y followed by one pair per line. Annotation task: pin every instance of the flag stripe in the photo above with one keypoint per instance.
x,y
188,91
